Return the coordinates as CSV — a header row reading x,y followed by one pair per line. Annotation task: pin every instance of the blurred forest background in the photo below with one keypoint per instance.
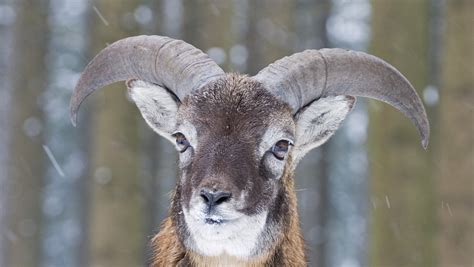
x,y
95,195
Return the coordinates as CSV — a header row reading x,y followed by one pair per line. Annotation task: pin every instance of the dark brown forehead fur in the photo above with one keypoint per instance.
x,y
240,102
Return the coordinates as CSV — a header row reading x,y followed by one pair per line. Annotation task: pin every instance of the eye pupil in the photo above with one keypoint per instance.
x,y
280,149
181,142
282,145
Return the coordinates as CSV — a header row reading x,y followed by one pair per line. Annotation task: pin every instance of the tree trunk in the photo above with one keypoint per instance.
x,y
28,80
456,144
64,196
6,48
207,25
271,32
117,226
401,171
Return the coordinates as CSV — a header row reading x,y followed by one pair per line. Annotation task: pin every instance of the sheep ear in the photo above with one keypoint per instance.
x,y
157,105
316,123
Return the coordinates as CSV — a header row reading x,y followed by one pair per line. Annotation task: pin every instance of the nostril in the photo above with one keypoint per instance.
x,y
206,196
221,197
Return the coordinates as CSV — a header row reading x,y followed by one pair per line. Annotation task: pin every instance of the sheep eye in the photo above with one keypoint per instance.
x,y
181,142
280,149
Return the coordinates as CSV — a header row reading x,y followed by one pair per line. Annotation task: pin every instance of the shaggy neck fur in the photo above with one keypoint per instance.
x,y
287,248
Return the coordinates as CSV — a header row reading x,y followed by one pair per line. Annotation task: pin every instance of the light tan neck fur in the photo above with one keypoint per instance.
x,y
225,260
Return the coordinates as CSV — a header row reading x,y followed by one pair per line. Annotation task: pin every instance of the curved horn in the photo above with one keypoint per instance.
x,y
174,64
304,77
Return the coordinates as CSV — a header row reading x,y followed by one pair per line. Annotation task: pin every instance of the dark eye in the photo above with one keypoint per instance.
x,y
280,149
181,142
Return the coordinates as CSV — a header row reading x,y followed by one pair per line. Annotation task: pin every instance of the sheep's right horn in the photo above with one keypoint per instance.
x,y
304,77
174,64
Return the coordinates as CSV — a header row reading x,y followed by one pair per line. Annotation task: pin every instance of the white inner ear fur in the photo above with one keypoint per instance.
x,y
157,106
319,121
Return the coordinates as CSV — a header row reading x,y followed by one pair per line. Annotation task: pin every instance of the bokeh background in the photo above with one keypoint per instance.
x,y
95,195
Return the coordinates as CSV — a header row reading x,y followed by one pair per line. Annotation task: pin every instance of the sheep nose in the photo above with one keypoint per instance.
x,y
214,198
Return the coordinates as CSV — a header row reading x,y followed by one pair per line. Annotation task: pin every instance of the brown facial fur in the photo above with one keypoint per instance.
x,y
230,117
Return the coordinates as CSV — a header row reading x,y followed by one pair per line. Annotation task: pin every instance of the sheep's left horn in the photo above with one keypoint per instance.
x,y
304,77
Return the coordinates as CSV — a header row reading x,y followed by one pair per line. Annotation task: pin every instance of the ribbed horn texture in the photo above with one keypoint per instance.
x,y
304,77
174,64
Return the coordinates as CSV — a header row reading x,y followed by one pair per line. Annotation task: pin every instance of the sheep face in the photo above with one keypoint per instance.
x,y
238,140
234,141
237,143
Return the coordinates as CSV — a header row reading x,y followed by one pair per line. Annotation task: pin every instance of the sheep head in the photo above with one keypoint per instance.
x,y
239,138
